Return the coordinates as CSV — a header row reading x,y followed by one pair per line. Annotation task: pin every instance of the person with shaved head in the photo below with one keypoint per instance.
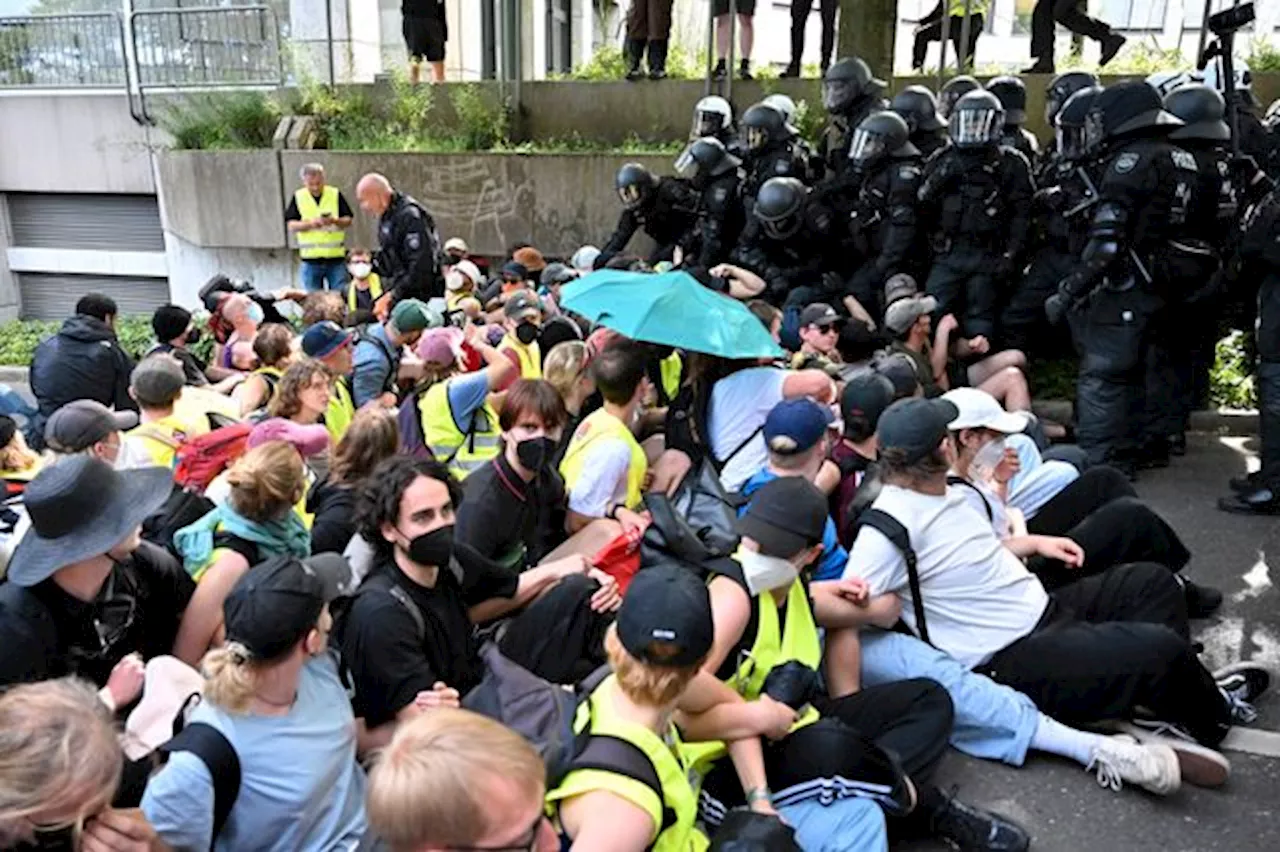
x,y
408,257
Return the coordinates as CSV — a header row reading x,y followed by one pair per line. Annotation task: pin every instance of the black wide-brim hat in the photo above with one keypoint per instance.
x,y
82,507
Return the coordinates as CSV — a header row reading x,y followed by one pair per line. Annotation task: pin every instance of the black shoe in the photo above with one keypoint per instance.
x,y
657,60
1264,501
1041,66
720,72
1154,454
971,829
1178,444
1110,47
1241,684
1248,482
1202,601
634,50
744,70
792,70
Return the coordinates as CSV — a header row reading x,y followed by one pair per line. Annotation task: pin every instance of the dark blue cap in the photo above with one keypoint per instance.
x,y
795,425
324,338
915,426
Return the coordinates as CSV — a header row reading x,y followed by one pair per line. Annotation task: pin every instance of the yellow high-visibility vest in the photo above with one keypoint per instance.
x,y
599,425
320,243
955,8
341,411
375,292
463,452
530,356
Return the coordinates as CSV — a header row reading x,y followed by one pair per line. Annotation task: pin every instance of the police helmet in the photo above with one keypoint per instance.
x,y
1012,94
846,82
977,120
1062,87
763,125
1203,110
952,91
705,158
634,184
1242,85
919,108
712,116
879,135
1165,82
1271,120
1069,125
779,206
1125,108
782,104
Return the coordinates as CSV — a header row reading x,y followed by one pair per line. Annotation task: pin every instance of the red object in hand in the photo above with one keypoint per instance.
x,y
620,558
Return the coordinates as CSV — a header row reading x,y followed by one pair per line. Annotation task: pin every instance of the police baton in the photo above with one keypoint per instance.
x,y
1224,25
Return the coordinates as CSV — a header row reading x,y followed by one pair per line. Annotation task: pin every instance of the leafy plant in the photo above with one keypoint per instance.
x,y
1231,380
1264,55
19,338
222,120
482,123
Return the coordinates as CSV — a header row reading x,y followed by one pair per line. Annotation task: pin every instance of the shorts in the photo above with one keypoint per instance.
x,y
745,7
425,37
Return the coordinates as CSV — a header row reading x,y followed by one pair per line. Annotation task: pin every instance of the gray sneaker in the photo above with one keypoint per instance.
x,y
1122,759
1199,765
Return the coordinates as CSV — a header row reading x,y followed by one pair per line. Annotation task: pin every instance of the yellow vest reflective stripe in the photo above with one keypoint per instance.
x,y
530,356
955,8
599,425
320,243
271,377
671,367
375,291
341,410
462,452
675,833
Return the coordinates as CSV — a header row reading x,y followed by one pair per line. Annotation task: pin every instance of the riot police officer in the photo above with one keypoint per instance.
x,y
785,105
1062,210
952,91
979,195
408,258
883,222
1122,280
664,208
919,108
849,93
713,116
772,150
716,175
1012,94
790,242
1062,87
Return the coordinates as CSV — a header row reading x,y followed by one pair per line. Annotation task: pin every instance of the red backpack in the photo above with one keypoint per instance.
x,y
199,460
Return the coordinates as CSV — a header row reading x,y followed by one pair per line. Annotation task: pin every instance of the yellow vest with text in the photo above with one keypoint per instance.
x,y
601,425
463,452
530,356
675,814
375,292
341,411
320,243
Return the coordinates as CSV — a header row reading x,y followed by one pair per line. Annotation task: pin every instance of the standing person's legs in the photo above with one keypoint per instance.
x,y
336,276
946,284
1042,31
746,37
799,18
980,294
414,30
659,31
637,36
1269,422
827,9
312,273
1067,13
920,46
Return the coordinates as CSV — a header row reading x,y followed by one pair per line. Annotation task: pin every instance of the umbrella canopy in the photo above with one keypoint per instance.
x,y
672,309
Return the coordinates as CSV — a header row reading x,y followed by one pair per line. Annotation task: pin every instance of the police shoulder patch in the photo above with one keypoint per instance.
x,y
413,241
720,195
1126,162
908,172
1183,159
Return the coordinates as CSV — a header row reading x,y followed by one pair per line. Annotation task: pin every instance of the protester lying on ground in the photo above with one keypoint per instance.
x,y
243,316
371,438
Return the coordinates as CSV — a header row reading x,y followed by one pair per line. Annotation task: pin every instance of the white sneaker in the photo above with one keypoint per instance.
x,y
1201,765
1120,759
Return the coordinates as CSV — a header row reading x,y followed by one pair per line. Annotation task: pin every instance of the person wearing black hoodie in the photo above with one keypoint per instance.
x,y
83,360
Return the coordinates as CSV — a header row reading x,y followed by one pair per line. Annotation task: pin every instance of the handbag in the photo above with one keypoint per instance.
x,y
696,524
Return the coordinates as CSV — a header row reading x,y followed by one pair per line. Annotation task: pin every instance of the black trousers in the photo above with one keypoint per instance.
x,y
933,32
1068,13
1112,332
1269,420
558,636
649,20
962,282
1109,644
1023,323
800,10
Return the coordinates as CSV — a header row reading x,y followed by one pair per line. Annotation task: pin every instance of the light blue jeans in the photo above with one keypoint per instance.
x,y
992,722
845,825
1038,481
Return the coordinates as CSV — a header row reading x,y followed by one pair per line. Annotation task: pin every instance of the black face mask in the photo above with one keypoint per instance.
x,y
433,548
526,332
535,453
193,337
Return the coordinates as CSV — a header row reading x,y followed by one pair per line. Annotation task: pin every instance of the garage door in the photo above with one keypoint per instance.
x,y
91,222
52,296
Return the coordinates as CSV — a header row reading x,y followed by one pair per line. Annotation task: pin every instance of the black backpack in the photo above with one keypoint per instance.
x,y
892,529
219,757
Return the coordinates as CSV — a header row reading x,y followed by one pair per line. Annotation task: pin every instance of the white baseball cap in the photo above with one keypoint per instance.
x,y
979,410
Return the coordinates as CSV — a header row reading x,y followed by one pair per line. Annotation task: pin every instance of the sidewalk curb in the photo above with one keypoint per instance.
x,y
13,375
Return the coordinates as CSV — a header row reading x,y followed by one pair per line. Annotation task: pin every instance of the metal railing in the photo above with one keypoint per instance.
x,y
62,51
205,47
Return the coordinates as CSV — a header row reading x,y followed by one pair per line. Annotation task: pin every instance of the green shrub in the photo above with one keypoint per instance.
x,y
482,122
1231,379
221,120
19,338
1264,55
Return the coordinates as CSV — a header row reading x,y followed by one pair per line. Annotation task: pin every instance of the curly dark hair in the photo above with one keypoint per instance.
x,y
379,499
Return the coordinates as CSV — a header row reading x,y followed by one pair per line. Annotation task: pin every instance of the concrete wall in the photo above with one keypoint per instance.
x,y
190,266
222,199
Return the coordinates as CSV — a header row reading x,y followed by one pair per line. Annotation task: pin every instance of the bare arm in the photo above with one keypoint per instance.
x,y
834,610
813,383
601,821
201,623
532,583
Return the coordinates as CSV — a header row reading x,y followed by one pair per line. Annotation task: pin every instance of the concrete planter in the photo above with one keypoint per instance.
x,y
222,199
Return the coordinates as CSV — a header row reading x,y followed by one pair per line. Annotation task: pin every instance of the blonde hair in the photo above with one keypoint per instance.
x,y
372,436
299,377
564,366
16,455
229,677
429,785
266,481
646,683
58,754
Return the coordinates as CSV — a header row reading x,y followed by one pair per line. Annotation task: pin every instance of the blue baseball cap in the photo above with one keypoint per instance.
x,y
325,338
795,425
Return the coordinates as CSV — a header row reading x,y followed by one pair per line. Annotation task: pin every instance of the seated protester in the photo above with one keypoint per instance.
x,y
459,425
256,522
408,637
1088,651
765,612
156,386
455,779
857,345
62,763
566,370
83,591
862,402
373,437
364,293
796,434
656,699
461,282
522,322
900,370
908,318
174,335
311,442
274,348
325,306
820,328
18,464
303,394
604,466
274,693
376,362
87,427
331,345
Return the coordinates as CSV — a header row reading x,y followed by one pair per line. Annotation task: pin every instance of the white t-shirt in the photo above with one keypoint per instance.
x,y
603,481
739,405
978,596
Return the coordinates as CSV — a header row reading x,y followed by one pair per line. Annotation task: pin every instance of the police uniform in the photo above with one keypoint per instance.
x,y
792,268
721,218
1021,140
666,215
785,158
409,250
883,229
832,149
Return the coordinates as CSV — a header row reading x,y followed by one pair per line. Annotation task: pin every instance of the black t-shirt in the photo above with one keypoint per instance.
x,y
192,366
334,507
291,213
508,520
391,659
422,9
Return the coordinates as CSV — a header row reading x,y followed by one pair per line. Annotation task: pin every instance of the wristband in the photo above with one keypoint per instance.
x,y
104,695
612,514
759,794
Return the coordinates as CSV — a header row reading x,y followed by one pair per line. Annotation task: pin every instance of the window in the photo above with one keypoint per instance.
x,y
1146,15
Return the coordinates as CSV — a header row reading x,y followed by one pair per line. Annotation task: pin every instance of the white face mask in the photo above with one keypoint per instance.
x,y
983,466
764,573
361,270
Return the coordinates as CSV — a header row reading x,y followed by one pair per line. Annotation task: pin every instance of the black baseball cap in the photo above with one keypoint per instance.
x,y
785,516
900,372
864,399
821,315
915,426
8,428
82,423
666,603
278,602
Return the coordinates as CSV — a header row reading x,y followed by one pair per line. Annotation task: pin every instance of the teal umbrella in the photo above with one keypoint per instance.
x,y
672,309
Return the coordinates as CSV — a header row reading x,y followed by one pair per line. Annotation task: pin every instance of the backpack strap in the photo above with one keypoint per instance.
x,y
891,528
402,597
219,757
390,384
150,430
960,480
721,465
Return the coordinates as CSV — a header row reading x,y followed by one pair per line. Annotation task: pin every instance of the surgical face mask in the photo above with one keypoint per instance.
x,y
535,453
193,337
433,548
764,573
983,466
526,332
256,314
360,270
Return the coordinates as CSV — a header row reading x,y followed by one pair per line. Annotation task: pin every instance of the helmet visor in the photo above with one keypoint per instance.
x,y
756,138
1094,132
1052,106
707,123
969,127
631,196
686,165
837,94
1070,141
782,229
866,147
